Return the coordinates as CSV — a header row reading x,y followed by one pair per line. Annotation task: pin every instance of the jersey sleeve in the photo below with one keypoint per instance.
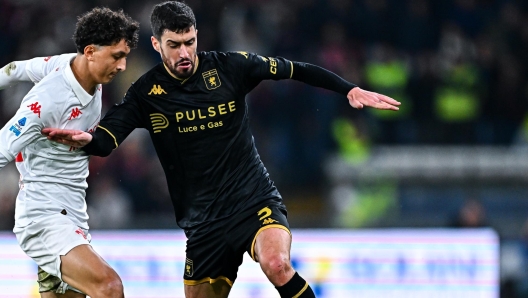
x,y
13,73
116,125
256,68
38,68
25,127
319,77
33,70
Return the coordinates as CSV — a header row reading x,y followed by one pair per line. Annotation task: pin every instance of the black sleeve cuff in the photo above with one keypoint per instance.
x,y
101,144
320,77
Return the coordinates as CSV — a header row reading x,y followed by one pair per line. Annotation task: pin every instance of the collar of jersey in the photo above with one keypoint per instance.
x,y
181,80
81,94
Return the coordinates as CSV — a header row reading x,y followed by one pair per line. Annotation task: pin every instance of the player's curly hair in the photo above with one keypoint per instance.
x,y
171,15
104,27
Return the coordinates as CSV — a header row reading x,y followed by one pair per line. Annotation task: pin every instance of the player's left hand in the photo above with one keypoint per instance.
x,y
359,98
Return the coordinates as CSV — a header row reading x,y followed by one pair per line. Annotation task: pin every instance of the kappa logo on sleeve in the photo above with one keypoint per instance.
x,y
35,108
17,127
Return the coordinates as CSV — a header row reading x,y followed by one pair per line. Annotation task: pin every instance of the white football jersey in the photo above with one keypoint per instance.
x,y
53,176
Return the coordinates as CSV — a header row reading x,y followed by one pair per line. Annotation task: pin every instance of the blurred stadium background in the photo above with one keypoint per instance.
x,y
455,155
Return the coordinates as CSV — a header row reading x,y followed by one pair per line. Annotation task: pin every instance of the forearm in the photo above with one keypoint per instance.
x,y
13,73
4,160
102,144
320,77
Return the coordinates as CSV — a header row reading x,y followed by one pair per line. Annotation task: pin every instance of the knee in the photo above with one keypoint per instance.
x,y
111,285
277,268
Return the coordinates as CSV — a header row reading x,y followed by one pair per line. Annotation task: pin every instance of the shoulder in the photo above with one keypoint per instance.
x,y
144,83
153,74
53,88
227,56
228,61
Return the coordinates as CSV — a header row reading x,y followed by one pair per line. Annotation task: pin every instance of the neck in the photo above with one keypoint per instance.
x,y
79,68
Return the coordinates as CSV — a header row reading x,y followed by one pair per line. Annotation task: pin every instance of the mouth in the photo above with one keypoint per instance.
x,y
184,65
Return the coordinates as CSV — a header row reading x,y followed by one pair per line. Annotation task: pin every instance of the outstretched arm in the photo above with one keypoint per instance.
x,y
113,129
257,68
98,143
70,137
13,73
357,97
32,70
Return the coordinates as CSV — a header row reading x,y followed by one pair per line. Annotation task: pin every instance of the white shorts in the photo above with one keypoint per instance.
x,y
51,237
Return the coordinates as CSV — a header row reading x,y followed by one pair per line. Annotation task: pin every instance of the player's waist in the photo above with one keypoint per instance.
x,y
37,199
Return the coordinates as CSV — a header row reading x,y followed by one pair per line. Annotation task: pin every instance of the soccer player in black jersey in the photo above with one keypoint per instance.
x,y
193,105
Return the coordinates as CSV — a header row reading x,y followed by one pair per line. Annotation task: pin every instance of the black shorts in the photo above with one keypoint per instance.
x,y
215,252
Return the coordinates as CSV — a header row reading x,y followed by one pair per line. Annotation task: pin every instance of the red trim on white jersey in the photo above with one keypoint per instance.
x,y
19,157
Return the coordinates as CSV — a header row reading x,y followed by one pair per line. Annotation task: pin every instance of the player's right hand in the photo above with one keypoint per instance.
x,y
70,137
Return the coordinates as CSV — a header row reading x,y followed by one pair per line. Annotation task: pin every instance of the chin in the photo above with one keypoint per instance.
x,y
185,74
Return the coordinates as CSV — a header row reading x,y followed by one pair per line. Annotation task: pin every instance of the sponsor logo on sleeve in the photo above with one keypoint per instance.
x,y
17,127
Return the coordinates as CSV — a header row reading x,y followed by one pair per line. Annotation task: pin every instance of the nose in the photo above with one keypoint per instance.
x,y
184,52
121,66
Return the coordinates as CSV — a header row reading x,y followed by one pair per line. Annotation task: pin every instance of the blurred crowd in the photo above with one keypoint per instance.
x,y
459,67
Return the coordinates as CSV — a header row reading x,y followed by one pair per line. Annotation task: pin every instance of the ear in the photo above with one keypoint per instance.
x,y
89,51
155,44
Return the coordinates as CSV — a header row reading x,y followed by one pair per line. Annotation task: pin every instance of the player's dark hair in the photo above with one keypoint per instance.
x,y
175,16
104,27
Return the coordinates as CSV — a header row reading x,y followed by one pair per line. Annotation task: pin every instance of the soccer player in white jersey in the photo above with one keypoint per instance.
x,y
50,217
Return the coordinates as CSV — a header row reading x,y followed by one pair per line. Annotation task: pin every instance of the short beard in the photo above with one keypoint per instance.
x,y
172,68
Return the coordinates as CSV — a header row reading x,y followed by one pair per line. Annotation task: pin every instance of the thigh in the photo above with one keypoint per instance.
x,y
272,217
83,269
218,289
46,240
52,286
272,242
209,257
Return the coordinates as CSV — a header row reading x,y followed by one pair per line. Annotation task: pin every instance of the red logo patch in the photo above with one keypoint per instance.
x,y
47,58
35,108
75,113
80,232
19,157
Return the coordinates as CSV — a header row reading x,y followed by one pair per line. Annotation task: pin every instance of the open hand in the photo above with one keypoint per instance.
x,y
358,98
70,137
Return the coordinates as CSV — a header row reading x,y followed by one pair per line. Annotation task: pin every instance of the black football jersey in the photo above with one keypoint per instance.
x,y
200,130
